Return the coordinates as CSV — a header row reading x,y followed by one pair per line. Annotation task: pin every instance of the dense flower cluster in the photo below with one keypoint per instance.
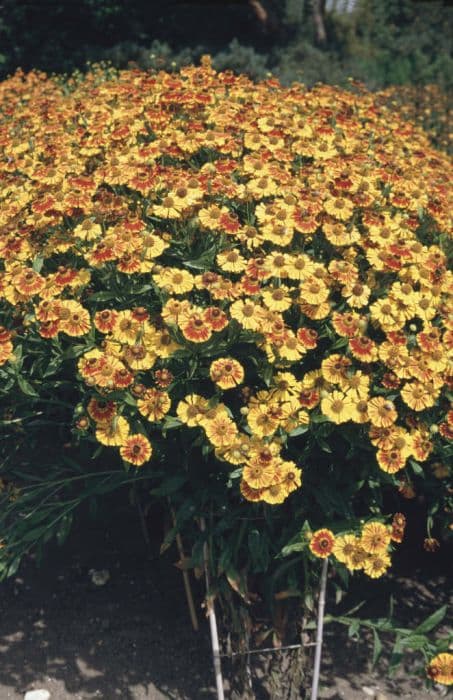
x,y
425,105
241,259
369,552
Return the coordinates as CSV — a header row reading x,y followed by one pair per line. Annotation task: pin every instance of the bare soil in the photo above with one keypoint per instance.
x,y
131,639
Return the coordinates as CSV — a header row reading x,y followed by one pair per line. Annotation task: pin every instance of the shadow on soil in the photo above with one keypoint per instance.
x,y
128,639
132,638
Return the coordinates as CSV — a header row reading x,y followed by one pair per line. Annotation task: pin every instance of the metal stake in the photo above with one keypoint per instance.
x,y
212,623
319,630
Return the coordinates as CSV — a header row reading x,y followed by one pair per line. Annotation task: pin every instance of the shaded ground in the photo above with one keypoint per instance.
x,y
131,639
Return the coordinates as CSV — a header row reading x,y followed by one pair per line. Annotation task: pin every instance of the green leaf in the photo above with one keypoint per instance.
x,y
52,367
102,296
295,547
13,567
63,530
299,431
377,647
415,641
353,629
432,621
25,387
171,422
169,486
38,263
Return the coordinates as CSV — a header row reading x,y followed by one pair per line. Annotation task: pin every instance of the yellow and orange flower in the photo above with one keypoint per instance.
x,y
136,450
322,543
226,372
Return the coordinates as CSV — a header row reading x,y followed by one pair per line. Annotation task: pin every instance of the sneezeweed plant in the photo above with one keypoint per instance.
x,y
242,290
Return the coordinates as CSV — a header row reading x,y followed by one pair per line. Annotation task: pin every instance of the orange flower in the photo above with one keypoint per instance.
x,y
322,543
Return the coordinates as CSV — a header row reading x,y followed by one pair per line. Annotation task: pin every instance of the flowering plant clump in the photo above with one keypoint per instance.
x,y
427,106
243,291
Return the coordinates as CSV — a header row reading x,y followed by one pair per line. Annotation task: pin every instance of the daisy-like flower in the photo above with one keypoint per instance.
x,y
217,319
262,420
346,325
357,558
417,396
231,261
308,337
126,327
105,320
363,348
390,461
250,494
194,327
154,404
114,433
322,543
375,537
344,547
337,406
440,669
290,348
174,280
138,357
220,430
313,291
226,372
356,385
169,208
247,313
276,298
335,367
191,409
101,411
28,282
376,564
356,295
340,208
382,412
136,450
274,494
74,319
290,476
259,476
398,527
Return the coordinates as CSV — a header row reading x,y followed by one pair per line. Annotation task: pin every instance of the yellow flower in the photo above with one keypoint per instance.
x,y
221,430
344,547
337,406
276,298
375,537
226,372
440,669
113,434
376,564
382,412
231,261
174,280
191,409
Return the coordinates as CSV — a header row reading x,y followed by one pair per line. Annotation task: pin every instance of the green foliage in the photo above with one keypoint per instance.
x,y
380,42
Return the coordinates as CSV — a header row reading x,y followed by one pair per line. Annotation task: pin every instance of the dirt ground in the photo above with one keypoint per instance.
x,y
131,639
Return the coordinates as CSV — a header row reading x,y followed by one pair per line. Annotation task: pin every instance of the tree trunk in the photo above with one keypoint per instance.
x,y
273,674
280,675
318,9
